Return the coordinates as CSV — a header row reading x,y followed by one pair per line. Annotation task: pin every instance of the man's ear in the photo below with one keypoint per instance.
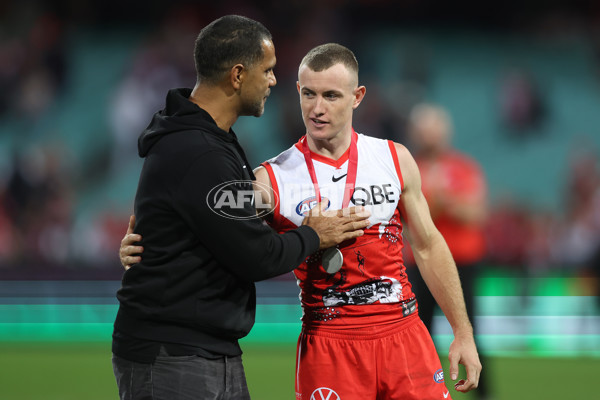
x,y
359,95
236,75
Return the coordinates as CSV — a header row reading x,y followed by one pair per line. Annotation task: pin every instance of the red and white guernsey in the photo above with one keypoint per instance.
x,y
372,286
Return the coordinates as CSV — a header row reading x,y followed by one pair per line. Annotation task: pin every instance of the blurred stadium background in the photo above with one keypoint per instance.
x,y
80,79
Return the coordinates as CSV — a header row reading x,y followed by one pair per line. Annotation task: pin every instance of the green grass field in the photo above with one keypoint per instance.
x,y
62,371
55,340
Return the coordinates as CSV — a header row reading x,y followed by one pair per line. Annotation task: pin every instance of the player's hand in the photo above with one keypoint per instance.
x,y
336,226
463,351
128,250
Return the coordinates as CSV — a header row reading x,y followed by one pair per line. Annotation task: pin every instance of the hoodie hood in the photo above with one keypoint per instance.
x,y
179,114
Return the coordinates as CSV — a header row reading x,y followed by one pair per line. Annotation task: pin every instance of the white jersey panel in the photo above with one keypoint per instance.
x,y
377,184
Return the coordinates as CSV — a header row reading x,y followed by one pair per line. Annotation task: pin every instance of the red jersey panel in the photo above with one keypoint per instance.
x,y
372,286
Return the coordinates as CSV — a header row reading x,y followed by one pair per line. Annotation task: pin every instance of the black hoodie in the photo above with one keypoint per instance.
x,y
195,284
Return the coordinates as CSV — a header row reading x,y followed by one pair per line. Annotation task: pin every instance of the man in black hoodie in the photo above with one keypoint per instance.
x,y
184,307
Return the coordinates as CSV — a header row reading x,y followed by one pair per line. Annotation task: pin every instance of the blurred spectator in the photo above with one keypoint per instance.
x,y
38,201
521,240
7,239
44,71
580,247
163,62
296,29
456,191
521,102
507,233
95,237
376,116
11,59
543,235
582,225
33,66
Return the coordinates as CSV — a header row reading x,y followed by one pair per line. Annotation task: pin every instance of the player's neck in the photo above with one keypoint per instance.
x,y
332,148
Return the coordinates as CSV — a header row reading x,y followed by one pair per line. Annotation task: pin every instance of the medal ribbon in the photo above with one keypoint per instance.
x,y
350,177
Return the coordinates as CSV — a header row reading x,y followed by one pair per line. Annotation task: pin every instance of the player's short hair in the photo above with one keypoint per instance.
x,y
227,41
327,55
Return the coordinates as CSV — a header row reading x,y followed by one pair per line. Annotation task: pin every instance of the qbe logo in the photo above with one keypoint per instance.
x,y
438,376
242,200
324,393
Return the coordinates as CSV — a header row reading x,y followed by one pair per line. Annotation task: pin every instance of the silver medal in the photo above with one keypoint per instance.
x,y
332,260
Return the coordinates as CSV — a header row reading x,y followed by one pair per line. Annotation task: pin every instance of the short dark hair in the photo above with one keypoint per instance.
x,y
327,55
227,41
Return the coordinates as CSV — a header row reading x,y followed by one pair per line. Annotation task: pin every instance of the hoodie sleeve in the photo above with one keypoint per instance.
x,y
221,213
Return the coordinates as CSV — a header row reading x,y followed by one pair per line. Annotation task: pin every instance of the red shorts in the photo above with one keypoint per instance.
x,y
394,361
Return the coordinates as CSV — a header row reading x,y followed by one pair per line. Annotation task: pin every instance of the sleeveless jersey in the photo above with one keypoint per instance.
x,y
372,286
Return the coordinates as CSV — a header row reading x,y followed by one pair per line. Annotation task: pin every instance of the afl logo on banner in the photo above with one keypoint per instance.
x,y
438,376
307,204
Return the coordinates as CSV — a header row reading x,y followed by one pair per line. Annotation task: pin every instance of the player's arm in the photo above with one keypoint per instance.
x,y
332,227
263,189
130,253
438,270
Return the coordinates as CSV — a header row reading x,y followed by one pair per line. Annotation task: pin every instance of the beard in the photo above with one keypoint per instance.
x,y
255,108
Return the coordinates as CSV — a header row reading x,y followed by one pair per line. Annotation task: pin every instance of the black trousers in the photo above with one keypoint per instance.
x,y
181,378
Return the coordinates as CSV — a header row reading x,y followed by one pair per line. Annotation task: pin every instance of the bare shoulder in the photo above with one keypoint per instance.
x,y
400,148
262,176
263,185
403,153
408,166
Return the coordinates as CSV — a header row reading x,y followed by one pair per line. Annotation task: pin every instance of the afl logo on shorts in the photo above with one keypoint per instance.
x,y
307,204
438,376
324,393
